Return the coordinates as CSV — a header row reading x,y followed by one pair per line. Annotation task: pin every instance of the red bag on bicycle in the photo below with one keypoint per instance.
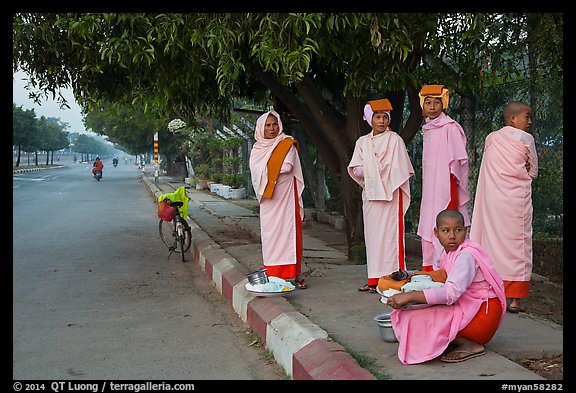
x,y
165,211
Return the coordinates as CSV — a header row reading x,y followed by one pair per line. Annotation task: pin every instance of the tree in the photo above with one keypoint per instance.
x,y
24,130
52,136
126,125
319,68
88,146
315,67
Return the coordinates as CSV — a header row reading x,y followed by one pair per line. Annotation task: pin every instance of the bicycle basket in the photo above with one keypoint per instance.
x,y
165,211
179,195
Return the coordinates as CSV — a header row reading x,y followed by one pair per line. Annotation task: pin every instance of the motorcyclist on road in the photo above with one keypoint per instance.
x,y
98,166
115,161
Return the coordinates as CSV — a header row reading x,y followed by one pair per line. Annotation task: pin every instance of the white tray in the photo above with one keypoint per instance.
x,y
409,306
270,294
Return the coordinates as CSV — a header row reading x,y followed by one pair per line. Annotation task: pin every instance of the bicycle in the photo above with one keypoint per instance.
x,y
174,230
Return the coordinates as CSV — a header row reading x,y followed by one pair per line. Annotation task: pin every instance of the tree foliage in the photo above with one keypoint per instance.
x,y
126,125
317,68
25,133
31,134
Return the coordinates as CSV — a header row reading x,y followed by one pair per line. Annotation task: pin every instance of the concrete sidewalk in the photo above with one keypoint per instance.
x,y
312,333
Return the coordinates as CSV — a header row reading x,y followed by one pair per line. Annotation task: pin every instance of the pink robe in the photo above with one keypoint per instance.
x,y
502,216
384,173
278,227
444,153
424,334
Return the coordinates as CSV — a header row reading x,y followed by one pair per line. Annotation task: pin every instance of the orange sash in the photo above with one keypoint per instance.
x,y
275,163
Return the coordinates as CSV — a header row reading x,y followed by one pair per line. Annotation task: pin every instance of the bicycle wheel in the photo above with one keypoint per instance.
x,y
168,234
181,239
187,236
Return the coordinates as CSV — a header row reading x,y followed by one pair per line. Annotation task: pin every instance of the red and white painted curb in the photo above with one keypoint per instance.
x,y
24,170
301,347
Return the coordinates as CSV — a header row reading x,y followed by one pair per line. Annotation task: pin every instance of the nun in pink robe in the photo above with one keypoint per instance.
x,y
281,215
472,282
444,174
381,166
502,216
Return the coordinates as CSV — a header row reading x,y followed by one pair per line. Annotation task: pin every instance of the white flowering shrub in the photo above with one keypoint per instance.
x,y
176,125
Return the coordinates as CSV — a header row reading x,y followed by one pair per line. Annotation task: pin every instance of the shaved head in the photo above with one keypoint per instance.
x,y
514,108
449,213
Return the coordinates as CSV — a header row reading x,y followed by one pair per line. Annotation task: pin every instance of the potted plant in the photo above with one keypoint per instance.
x,y
215,182
203,173
234,180
236,183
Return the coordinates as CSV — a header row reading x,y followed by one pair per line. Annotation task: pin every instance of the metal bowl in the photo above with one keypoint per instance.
x,y
385,324
258,277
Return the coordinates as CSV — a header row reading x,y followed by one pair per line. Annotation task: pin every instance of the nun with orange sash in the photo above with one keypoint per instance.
x,y
381,166
278,183
444,169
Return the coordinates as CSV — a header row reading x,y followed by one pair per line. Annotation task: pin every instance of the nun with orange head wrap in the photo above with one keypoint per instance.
x,y
381,166
278,183
444,169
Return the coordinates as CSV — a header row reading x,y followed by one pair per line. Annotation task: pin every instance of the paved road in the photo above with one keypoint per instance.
x,y
94,296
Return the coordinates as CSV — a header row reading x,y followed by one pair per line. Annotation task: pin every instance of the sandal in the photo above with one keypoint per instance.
x,y
368,288
463,355
301,283
514,309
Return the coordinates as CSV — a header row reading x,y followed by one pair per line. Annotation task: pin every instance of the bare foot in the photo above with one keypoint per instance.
x,y
515,306
301,282
464,349
515,302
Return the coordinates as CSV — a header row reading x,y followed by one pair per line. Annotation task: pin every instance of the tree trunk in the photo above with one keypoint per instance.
x,y
352,205
169,165
183,154
321,187
396,98
313,178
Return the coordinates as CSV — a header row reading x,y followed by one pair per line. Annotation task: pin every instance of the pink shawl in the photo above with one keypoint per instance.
x,y
502,217
386,166
424,334
261,152
444,153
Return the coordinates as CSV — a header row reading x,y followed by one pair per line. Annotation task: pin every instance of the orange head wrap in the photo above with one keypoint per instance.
x,y
374,106
436,91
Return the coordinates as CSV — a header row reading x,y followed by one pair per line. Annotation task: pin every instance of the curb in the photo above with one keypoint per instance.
x,y
36,169
302,348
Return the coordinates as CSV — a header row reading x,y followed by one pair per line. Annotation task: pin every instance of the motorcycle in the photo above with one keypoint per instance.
x,y
115,162
98,175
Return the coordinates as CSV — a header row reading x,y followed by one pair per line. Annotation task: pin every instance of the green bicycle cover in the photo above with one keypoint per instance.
x,y
178,196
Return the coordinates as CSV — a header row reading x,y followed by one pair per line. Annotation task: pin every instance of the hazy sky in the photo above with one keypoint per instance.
x,y
72,116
